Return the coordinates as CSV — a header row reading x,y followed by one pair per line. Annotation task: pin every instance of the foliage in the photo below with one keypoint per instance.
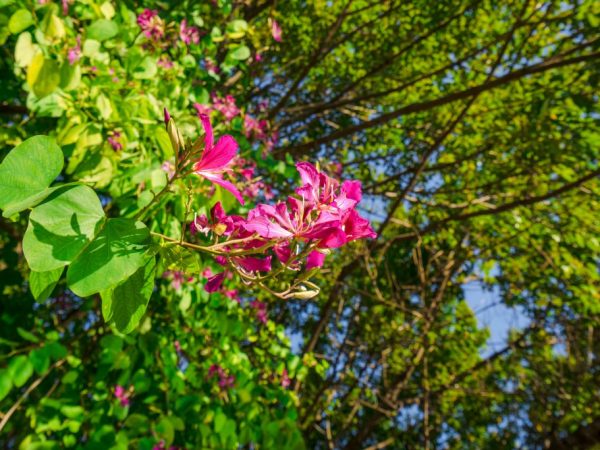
x,y
176,273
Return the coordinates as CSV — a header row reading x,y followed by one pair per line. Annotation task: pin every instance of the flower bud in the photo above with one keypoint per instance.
x,y
304,295
167,116
174,135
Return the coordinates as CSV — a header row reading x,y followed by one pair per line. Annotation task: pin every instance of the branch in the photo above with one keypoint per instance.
x,y
552,63
13,109
506,207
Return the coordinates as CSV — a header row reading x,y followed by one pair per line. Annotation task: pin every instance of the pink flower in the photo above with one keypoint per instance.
x,y
260,309
74,53
113,140
232,294
275,30
65,6
122,395
211,66
285,379
169,169
226,106
178,278
188,34
207,272
215,369
225,381
165,62
215,159
254,127
324,214
203,109
152,26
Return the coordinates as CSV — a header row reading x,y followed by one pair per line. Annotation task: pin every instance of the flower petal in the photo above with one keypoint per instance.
x,y
267,229
252,264
315,259
209,139
352,189
219,156
218,179
308,173
214,283
357,227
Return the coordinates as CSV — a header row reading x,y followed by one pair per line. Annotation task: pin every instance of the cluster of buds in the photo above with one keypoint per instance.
x,y
295,234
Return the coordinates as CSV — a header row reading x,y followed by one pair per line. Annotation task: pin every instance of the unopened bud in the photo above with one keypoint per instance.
x,y
303,295
175,136
167,116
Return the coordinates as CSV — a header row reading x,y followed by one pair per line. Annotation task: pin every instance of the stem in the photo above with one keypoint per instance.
x,y
145,209
29,390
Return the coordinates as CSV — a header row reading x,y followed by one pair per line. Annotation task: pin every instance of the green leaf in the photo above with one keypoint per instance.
x,y
20,369
24,50
240,52
61,227
104,106
43,75
27,335
26,173
42,284
165,431
70,76
126,304
237,29
116,253
20,20
102,29
146,69
40,360
5,383
175,257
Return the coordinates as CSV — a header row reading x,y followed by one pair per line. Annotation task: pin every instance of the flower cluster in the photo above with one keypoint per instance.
x,y
225,106
188,34
294,234
152,26
321,216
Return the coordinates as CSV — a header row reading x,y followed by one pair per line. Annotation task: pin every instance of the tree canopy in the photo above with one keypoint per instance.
x,y
256,224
